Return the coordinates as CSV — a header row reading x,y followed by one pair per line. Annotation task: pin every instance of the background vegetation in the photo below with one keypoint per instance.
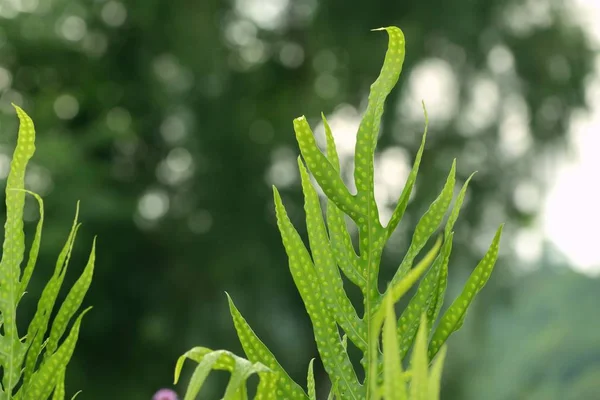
x,y
170,120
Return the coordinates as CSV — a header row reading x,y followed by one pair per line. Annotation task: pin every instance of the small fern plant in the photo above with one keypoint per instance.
x,y
33,365
317,275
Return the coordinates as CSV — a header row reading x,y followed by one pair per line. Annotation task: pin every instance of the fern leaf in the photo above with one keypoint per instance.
x,y
331,283
39,324
44,380
310,381
35,245
419,386
454,316
409,321
207,359
408,186
13,250
435,375
341,243
427,225
440,286
325,173
394,385
335,359
72,303
256,351
59,390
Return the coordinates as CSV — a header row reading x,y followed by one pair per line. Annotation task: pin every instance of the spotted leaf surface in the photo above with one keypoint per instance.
x,y
59,390
72,303
334,356
19,357
454,316
427,225
13,250
35,245
341,242
410,319
310,381
441,276
437,300
44,380
319,268
368,130
283,386
331,283
326,174
39,324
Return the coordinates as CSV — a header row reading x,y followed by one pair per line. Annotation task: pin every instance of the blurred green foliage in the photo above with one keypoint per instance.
x,y
546,347
170,120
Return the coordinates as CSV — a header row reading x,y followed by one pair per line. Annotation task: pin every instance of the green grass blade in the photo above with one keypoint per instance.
x,y
335,359
256,351
408,186
327,272
419,364
427,225
454,316
435,375
394,387
71,304
13,250
310,381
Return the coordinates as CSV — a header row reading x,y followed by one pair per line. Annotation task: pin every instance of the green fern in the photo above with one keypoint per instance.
x,y
34,366
317,273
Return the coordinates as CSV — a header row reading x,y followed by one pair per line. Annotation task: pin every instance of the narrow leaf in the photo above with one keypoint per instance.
x,y
325,173
419,386
408,186
72,303
256,351
427,225
43,380
39,324
327,272
409,321
35,246
393,377
13,250
454,316
435,375
335,359
341,242
310,381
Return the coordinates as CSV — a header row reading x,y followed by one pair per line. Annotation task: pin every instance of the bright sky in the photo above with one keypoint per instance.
x,y
571,218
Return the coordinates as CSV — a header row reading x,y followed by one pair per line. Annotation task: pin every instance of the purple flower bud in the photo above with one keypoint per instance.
x,y
165,394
